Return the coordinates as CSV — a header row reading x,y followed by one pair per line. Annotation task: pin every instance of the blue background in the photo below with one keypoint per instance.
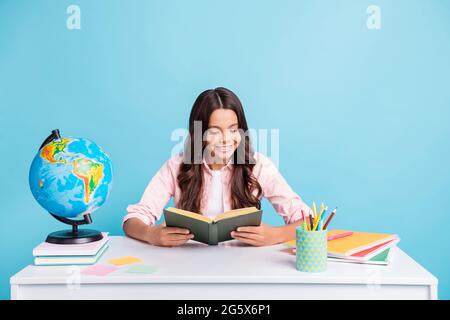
x,y
363,114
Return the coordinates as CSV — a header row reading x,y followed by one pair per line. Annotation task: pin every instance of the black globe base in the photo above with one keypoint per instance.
x,y
68,237
74,236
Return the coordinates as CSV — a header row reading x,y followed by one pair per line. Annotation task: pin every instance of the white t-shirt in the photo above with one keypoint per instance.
x,y
215,201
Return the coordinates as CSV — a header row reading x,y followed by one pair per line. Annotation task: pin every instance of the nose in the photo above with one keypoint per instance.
x,y
226,137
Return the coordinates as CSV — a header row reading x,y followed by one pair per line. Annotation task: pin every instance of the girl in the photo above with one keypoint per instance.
x,y
218,171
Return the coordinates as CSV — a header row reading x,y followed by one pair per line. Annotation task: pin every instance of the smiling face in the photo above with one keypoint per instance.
x,y
222,136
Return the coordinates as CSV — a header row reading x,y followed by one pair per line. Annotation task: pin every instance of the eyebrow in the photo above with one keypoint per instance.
x,y
234,124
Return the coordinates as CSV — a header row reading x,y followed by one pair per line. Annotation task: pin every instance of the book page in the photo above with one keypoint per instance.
x,y
190,214
235,213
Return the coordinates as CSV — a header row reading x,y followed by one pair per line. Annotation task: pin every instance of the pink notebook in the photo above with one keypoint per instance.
x,y
368,254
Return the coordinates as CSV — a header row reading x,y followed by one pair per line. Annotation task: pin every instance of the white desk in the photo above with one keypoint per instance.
x,y
227,271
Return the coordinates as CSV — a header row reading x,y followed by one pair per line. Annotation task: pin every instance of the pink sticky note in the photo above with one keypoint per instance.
x,y
99,270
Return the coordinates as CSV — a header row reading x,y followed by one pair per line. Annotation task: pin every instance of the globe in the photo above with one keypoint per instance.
x,y
70,177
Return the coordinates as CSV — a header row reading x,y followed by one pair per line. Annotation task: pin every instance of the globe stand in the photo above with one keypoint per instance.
x,y
74,236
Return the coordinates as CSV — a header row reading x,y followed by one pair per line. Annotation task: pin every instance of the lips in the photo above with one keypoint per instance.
x,y
224,149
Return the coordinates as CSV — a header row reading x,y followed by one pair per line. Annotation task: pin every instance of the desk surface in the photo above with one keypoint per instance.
x,y
230,262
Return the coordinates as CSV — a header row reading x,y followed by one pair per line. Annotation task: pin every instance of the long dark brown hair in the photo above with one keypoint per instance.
x,y
190,176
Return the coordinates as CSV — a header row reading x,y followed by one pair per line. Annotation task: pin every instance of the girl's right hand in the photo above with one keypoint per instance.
x,y
160,235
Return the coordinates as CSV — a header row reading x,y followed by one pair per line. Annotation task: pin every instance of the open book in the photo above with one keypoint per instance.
x,y
212,231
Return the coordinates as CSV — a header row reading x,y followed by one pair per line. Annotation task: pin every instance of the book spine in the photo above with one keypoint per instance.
x,y
213,234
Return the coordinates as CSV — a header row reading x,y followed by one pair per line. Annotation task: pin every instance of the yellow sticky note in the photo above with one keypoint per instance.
x,y
290,243
124,260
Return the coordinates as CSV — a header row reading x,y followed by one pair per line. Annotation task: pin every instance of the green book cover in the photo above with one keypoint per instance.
x,y
212,231
382,257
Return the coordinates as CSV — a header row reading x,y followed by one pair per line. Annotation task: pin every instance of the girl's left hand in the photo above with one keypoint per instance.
x,y
263,235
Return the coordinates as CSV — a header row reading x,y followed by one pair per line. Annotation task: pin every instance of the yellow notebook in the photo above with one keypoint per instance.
x,y
357,242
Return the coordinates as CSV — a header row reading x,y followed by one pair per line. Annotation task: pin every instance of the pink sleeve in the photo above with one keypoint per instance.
x,y
284,200
156,195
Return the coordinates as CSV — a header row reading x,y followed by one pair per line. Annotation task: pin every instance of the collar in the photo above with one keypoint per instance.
x,y
227,167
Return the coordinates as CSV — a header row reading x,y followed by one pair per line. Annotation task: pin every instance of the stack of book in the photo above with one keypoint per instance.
x,y
361,247
49,254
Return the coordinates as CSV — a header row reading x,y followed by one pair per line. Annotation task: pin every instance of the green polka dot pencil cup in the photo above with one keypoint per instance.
x,y
311,250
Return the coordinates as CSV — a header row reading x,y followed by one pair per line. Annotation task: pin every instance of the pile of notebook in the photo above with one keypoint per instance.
x,y
49,254
361,247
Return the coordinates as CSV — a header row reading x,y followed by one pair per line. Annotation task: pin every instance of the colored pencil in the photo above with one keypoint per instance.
x,y
316,223
329,219
314,210
304,222
338,236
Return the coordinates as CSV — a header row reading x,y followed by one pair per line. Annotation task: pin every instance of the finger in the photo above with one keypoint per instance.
x,y
179,237
176,243
247,241
177,230
173,242
249,229
247,235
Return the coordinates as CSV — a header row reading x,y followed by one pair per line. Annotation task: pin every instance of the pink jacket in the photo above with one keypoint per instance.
x,y
164,185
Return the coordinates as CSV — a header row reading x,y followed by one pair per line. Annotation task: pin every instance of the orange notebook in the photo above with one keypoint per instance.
x,y
357,242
